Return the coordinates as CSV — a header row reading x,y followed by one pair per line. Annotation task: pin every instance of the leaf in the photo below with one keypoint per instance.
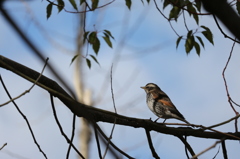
x,y
174,13
94,58
128,3
85,36
74,58
108,33
107,40
92,36
238,7
88,63
166,3
178,40
208,34
198,5
148,1
96,45
60,5
195,16
73,4
197,48
189,44
94,4
200,40
81,2
49,10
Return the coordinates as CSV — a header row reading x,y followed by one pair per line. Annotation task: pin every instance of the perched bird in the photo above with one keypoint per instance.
x,y
160,104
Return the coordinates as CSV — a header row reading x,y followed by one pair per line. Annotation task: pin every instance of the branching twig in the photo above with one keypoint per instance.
x,y
187,146
60,127
154,154
27,91
207,149
97,141
226,86
24,117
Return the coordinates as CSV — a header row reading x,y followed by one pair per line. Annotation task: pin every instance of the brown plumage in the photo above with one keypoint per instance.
x,y
160,104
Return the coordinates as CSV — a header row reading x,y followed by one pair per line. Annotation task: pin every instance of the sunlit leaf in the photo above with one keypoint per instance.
x,y
49,10
60,5
73,4
107,40
174,13
94,4
108,33
128,3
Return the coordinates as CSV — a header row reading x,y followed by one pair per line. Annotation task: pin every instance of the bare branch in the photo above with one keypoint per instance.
x,y
224,150
189,148
60,127
154,154
3,146
207,149
97,140
24,117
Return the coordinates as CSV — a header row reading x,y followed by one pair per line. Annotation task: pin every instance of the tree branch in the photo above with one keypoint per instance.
x,y
97,115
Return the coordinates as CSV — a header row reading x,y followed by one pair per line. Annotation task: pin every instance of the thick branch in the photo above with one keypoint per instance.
x,y
95,114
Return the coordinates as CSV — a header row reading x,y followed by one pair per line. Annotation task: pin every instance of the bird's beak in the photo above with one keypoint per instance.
x,y
143,88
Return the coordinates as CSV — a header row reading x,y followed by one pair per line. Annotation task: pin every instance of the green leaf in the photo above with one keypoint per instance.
x,y
96,45
174,13
85,36
49,10
166,3
94,58
73,4
94,4
60,5
92,36
108,33
88,63
81,1
238,7
178,40
107,40
208,34
128,3
189,44
200,40
197,48
195,16
198,5
74,58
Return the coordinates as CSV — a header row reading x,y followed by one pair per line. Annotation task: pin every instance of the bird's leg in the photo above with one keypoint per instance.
x,y
156,120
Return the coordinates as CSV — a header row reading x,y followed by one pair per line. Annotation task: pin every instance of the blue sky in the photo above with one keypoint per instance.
x,y
145,50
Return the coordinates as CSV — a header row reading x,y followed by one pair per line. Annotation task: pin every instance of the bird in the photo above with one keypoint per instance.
x,y
160,104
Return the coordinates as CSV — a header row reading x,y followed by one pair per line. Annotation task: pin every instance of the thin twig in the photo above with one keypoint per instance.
x,y
207,149
154,154
27,91
112,90
72,137
226,86
188,147
24,117
61,129
225,122
160,10
3,146
109,139
98,144
216,153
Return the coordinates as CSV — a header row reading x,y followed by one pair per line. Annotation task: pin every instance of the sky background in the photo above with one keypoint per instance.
x,y
144,51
